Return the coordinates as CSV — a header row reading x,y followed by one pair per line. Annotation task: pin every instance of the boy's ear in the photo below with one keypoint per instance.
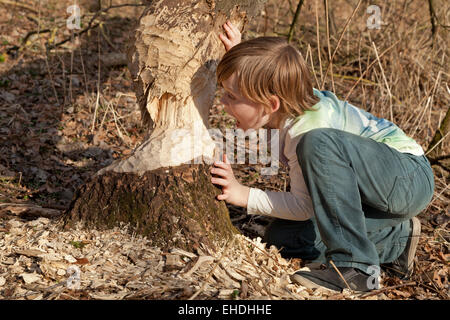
x,y
274,103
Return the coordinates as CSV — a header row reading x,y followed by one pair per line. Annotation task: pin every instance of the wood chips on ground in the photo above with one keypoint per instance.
x,y
40,261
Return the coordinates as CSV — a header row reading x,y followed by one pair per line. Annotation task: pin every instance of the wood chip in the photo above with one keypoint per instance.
x,y
69,258
200,261
221,275
233,274
30,277
173,262
31,252
183,253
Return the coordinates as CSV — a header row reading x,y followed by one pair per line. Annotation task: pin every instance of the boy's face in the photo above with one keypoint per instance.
x,y
248,114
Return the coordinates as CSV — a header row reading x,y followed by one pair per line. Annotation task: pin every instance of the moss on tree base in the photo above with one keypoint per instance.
x,y
172,206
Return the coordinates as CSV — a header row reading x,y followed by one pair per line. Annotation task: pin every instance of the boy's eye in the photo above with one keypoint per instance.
x,y
230,96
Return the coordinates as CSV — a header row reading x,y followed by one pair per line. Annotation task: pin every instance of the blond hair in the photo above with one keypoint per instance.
x,y
267,66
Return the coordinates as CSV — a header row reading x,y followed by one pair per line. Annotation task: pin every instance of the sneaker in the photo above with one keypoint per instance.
x,y
330,279
403,266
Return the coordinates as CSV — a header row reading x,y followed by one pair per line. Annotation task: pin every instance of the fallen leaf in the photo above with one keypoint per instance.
x,y
437,279
401,293
82,261
444,257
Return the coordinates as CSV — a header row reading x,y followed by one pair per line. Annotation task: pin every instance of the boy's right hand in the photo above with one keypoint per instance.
x,y
232,37
233,192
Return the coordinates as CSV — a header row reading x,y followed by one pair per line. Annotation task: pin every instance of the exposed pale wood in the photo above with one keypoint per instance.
x,y
172,59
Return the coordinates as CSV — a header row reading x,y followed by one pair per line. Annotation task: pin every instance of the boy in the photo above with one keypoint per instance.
x,y
357,181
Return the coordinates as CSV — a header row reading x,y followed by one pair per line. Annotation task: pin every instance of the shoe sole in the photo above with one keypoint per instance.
x,y
308,283
413,241
415,235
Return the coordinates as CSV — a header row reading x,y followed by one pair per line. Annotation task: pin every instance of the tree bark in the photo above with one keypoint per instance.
x,y
441,133
163,189
174,207
434,152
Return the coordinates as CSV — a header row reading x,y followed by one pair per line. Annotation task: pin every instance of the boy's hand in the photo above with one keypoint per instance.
x,y
233,192
233,36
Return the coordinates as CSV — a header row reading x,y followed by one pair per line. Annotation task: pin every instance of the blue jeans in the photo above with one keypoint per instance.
x,y
364,194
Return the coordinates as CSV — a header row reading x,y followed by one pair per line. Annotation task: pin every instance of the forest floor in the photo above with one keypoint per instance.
x,y
68,111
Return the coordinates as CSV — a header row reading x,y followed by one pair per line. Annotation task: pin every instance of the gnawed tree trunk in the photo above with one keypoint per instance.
x,y
172,206
163,189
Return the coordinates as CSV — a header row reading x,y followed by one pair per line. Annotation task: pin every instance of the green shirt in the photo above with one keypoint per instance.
x,y
330,112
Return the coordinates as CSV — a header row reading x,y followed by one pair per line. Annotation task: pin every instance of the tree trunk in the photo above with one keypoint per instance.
x,y
163,189
434,152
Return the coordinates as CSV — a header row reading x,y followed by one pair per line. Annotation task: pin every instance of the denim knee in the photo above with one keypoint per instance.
x,y
307,147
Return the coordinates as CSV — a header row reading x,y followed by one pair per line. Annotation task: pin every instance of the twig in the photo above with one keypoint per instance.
x,y
200,261
318,48
71,71
18,4
98,85
385,81
339,41
257,271
375,292
430,98
25,39
366,81
438,143
432,19
40,289
117,123
368,68
46,57
76,34
14,204
330,19
437,196
309,51
436,289
224,252
94,17
246,239
330,63
106,38
442,131
444,157
31,210
294,20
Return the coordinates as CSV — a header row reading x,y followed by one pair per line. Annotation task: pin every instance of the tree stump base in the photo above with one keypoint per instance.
x,y
171,206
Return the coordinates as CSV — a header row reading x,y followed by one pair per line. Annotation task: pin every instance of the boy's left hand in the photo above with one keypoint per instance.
x,y
232,37
233,192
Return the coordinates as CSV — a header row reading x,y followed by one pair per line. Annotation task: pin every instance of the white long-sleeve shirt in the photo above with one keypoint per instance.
x,y
330,112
